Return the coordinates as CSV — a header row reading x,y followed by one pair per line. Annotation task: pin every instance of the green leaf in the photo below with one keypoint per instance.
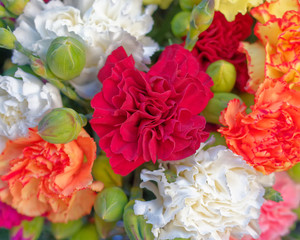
x,y
273,195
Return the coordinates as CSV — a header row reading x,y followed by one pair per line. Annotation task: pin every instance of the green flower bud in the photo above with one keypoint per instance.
x,y
294,173
15,6
88,231
136,226
103,228
188,5
216,105
247,98
7,39
219,140
66,230
163,4
66,57
103,172
32,229
110,203
201,18
223,74
2,12
180,24
61,125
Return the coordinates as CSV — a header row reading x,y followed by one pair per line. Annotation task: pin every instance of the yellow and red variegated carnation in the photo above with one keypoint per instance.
x,y
276,55
269,137
54,180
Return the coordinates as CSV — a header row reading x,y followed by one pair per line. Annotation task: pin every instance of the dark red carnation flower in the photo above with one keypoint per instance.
x,y
221,41
142,117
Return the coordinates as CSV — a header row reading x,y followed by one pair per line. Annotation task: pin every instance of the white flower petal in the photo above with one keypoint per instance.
x,y
102,25
215,195
23,103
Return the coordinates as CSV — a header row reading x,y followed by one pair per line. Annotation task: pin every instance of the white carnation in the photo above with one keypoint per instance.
x,y
23,104
103,25
216,194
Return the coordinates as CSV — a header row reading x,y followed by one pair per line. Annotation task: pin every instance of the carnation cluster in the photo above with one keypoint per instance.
x,y
149,119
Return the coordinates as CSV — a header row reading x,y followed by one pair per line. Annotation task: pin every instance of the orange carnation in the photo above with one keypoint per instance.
x,y
54,180
269,137
276,55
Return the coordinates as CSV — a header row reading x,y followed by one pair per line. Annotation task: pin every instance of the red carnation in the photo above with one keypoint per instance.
x,y
142,117
221,41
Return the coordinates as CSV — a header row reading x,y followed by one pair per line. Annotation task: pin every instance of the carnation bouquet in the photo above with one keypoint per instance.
x,y
150,119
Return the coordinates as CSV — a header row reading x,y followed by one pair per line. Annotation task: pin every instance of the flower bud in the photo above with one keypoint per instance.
x,y
216,105
86,232
103,172
294,173
29,229
109,204
247,98
218,140
7,39
163,4
188,5
61,125
103,228
136,226
180,24
15,6
66,230
2,12
201,17
223,74
66,57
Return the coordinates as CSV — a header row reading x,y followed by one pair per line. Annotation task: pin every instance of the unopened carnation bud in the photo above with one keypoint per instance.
x,y
180,24
109,204
136,226
66,230
66,57
216,105
163,4
223,74
102,171
247,98
61,125
30,229
103,228
7,39
216,141
294,173
201,17
2,12
15,6
188,4
88,232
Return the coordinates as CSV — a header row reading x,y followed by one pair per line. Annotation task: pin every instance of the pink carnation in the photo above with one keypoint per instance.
x,y
277,218
9,217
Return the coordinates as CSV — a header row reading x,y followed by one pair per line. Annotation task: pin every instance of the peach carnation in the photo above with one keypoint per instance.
x,y
269,137
276,55
54,180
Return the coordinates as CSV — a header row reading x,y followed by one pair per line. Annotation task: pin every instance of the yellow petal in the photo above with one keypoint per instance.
x,y
255,54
